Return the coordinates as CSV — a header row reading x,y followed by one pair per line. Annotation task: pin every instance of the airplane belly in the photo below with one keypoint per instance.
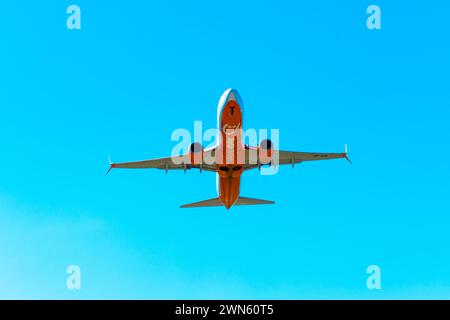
x,y
230,152
229,188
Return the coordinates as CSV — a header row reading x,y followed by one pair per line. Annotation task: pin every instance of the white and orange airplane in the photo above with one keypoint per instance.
x,y
230,157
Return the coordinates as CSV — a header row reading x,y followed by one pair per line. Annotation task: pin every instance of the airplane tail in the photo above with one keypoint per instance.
x,y
215,202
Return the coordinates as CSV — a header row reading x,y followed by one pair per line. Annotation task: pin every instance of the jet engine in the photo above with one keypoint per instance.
x,y
265,150
196,153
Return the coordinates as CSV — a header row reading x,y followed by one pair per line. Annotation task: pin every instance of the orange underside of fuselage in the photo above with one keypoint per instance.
x,y
229,165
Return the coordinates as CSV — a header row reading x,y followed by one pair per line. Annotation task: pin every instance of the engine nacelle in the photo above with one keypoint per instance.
x,y
265,151
196,153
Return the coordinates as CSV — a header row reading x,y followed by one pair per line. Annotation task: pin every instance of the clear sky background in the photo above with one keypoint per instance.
x,y
140,69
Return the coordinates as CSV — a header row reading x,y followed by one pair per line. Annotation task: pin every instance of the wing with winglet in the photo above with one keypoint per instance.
x,y
293,157
168,163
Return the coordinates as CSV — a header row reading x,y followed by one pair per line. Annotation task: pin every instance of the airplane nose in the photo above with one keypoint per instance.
x,y
233,95
230,95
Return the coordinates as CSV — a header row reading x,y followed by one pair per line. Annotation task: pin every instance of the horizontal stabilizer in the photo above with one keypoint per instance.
x,y
215,202
241,201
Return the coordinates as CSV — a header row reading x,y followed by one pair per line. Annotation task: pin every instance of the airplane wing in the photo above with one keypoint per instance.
x,y
290,157
293,157
168,163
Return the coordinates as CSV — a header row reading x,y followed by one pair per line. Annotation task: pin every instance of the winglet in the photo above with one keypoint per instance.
x,y
345,154
111,165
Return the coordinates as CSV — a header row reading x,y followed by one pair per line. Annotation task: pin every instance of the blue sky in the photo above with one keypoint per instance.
x,y
138,70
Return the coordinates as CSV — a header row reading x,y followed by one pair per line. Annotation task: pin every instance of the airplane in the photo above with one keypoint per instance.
x,y
230,157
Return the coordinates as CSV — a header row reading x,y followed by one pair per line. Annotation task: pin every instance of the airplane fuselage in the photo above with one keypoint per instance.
x,y
229,164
